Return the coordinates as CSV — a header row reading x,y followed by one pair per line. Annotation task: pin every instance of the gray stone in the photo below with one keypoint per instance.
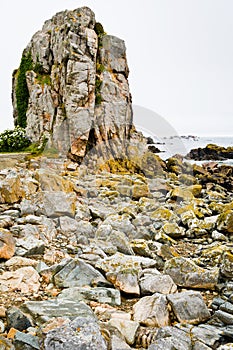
x,y
121,223
17,319
186,273
152,311
77,273
200,346
157,283
227,307
225,317
29,245
81,333
55,204
43,311
207,334
228,331
24,341
100,295
189,307
170,338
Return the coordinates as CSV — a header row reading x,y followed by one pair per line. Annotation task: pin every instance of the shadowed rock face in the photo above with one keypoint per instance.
x,y
78,88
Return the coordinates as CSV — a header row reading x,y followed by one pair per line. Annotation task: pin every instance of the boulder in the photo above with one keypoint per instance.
x,y
186,273
156,283
189,307
77,85
55,204
169,338
81,333
43,311
152,311
77,273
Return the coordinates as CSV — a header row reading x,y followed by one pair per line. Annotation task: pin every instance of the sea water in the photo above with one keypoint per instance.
x,y
172,145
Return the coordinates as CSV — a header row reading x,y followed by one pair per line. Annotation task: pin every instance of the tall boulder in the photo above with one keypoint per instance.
x,y
71,87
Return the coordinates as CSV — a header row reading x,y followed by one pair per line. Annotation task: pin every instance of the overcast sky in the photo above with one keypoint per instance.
x,y
180,55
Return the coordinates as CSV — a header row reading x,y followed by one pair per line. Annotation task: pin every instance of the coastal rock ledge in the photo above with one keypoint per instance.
x,y
71,87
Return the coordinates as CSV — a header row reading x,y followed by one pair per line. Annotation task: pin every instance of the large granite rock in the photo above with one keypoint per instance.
x,y
77,85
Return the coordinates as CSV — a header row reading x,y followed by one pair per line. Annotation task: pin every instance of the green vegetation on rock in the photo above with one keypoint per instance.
x,y
98,85
22,93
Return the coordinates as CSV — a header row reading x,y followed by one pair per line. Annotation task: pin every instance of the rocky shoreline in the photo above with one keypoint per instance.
x,y
115,260
113,248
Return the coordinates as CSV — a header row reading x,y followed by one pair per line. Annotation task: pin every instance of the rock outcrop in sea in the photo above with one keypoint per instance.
x,y
135,253
78,92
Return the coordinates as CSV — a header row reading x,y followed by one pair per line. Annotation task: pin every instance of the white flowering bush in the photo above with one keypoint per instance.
x,y
14,140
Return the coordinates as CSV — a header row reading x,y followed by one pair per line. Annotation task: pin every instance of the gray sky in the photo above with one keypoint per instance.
x,y
180,55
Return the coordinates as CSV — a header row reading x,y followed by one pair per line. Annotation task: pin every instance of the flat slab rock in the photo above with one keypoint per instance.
x,y
43,311
101,295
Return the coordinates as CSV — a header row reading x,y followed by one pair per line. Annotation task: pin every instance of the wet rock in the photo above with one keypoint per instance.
x,y
77,273
152,311
186,273
7,244
189,307
211,152
98,294
25,279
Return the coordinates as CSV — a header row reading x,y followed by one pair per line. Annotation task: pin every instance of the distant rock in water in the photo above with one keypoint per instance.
x,y
211,152
72,85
